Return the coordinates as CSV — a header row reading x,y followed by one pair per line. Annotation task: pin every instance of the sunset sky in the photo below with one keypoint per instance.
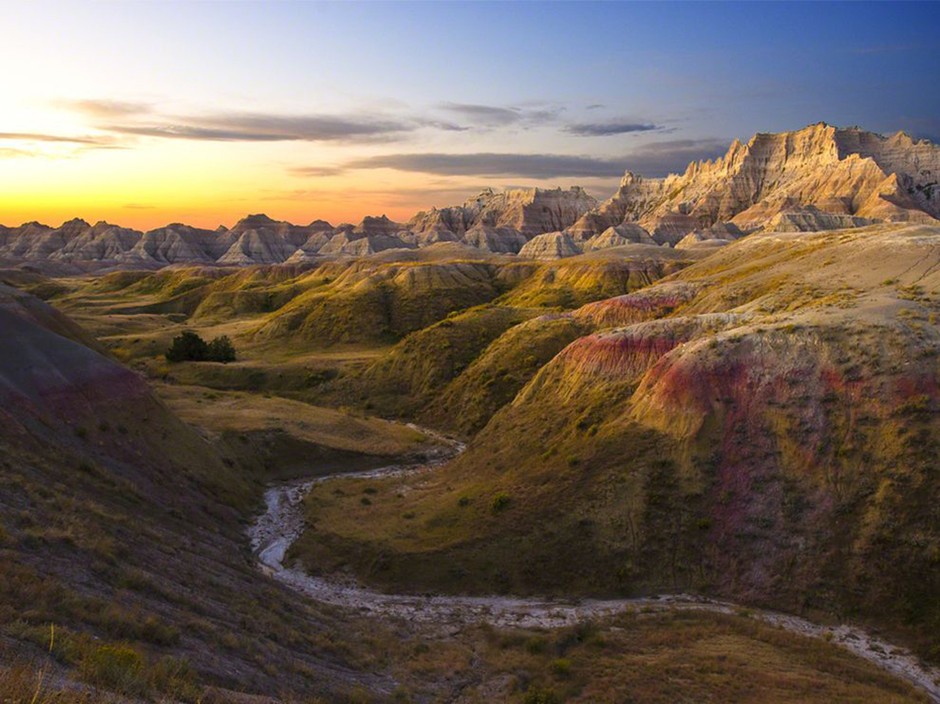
x,y
148,113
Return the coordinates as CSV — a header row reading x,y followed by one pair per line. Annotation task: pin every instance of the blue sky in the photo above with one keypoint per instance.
x,y
341,109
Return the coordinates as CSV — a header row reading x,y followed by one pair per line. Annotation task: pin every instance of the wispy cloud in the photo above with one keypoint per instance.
x,y
656,159
402,197
538,166
672,156
11,153
318,171
259,127
56,138
105,109
502,116
138,119
484,114
606,129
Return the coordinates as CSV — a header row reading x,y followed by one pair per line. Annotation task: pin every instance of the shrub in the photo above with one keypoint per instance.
x,y
537,695
500,502
113,666
560,667
221,350
189,347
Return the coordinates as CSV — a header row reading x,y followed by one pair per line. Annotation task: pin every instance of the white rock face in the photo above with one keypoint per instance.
x,y
530,211
258,247
552,245
701,239
839,171
350,244
627,233
812,219
173,244
502,240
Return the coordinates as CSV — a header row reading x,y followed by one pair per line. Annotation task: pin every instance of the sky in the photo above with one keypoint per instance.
x,y
143,114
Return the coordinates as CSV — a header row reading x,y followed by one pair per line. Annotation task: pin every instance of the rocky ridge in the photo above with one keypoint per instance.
x,y
817,178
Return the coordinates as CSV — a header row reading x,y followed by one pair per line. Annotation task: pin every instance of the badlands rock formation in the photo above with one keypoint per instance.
x,y
817,178
529,211
552,245
820,177
626,233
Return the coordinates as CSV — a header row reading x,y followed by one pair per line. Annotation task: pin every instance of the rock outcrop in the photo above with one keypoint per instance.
x,y
552,245
626,233
503,240
847,176
529,211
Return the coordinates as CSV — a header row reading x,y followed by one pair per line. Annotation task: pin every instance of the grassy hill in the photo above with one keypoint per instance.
x,y
772,438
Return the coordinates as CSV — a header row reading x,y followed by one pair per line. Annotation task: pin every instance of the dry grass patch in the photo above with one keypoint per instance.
x,y
220,411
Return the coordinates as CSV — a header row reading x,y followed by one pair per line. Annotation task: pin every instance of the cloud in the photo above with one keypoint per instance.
x,y
536,166
400,197
40,137
318,171
105,109
260,127
11,153
672,156
497,116
606,129
442,125
484,114
652,160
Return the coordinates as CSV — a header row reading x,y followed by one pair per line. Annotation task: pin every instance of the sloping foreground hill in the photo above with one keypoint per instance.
x,y
121,537
768,431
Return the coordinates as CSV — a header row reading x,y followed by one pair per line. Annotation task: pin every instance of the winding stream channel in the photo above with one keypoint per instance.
x,y
282,522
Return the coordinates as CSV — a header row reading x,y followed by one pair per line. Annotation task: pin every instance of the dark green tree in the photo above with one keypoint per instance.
x,y
222,350
187,347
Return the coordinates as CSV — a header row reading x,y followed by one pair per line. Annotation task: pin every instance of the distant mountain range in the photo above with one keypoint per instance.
x,y
817,178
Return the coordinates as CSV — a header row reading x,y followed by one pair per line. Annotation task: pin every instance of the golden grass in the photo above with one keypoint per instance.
x,y
653,658
219,411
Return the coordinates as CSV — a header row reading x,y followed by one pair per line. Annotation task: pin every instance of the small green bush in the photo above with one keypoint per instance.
x,y
189,347
115,667
537,695
501,502
560,667
222,350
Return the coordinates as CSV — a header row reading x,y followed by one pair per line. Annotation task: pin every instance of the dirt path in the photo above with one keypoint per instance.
x,y
282,522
